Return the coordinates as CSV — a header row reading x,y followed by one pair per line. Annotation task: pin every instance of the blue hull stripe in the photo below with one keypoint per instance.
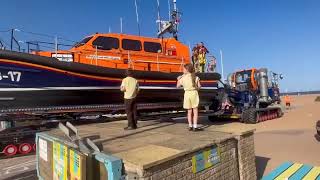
x,y
93,88
34,77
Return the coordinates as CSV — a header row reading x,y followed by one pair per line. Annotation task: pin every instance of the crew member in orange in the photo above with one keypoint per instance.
x,y
202,57
195,60
130,87
287,100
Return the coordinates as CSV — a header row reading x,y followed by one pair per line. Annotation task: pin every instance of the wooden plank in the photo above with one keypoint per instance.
x,y
301,172
275,173
289,172
313,174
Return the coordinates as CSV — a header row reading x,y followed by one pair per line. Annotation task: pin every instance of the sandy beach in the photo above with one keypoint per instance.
x,y
290,138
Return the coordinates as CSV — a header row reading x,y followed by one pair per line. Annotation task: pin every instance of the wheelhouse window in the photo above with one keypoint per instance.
x,y
152,47
243,77
106,43
132,45
83,41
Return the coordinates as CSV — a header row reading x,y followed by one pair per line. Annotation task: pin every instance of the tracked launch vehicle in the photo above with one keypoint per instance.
x,y
251,95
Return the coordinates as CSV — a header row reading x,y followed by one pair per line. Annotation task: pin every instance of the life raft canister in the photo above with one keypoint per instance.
x,y
172,51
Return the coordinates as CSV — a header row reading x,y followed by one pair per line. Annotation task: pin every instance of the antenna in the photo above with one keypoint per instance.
x,y
137,15
221,59
175,5
175,19
56,45
169,10
121,25
159,18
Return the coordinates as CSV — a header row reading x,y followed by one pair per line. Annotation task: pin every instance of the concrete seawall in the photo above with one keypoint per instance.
x,y
167,150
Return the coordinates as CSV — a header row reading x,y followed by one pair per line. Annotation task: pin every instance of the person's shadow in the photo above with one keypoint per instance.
x,y
317,136
261,164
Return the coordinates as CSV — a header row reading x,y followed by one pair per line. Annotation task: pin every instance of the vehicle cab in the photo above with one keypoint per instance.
x,y
244,80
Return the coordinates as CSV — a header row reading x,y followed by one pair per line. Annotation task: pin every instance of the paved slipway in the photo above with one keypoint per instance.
x,y
19,168
290,138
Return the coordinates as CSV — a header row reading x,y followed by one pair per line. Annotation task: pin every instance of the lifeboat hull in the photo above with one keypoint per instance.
x,y
31,81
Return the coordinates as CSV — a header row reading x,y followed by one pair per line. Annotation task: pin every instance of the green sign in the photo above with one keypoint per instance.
x,y
205,159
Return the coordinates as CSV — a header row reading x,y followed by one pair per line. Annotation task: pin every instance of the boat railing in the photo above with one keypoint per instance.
x,y
163,62
96,54
132,62
158,67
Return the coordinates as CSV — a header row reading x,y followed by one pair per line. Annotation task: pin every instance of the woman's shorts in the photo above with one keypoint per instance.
x,y
191,99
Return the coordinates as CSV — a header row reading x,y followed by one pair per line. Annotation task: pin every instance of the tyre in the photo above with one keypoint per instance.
x,y
244,116
215,105
10,150
34,147
249,116
217,100
211,118
25,148
280,113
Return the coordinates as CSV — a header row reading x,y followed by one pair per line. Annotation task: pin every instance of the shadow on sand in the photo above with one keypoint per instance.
x,y
317,137
261,164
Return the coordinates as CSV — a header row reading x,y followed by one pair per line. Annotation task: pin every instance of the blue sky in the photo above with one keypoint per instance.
x,y
282,35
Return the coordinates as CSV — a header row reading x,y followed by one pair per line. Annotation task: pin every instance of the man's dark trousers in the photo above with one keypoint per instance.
x,y
131,110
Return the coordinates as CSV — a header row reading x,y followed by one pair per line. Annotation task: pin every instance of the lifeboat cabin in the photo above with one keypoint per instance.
x,y
123,51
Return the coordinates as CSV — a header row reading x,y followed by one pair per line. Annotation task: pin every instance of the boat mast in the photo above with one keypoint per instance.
x,y
169,9
159,17
175,20
121,25
170,26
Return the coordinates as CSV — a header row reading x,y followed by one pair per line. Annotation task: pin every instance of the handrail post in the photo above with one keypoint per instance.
x,y
130,63
158,62
96,55
182,62
11,44
56,46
